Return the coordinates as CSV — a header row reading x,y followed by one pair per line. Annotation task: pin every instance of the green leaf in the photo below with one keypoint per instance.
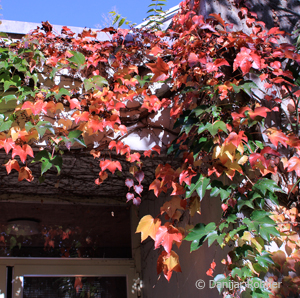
x,y
62,92
246,87
57,161
200,110
74,134
241,203
199,184
264,184
46,165
9,97
77,58
41,127
44,154
218,189
143,80
121,22
265,230
212,237
261,216
199,234
116,18
214,128
5,125
264,259
96,82
203,127
236,271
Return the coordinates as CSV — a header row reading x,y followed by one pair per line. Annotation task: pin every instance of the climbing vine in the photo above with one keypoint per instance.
x,y
234,97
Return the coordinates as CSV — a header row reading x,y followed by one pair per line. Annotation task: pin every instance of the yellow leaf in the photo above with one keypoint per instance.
x,y
148,226
172,261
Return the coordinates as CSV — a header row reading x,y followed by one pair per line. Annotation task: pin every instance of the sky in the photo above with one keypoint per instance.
x,y
74,12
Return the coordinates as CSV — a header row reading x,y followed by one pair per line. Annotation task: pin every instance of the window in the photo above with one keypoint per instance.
x,y
65,250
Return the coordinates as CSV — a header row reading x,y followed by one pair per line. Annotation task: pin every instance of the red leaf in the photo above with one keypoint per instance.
x,y
167,263
95,153
133,157
240,114
209,272
95,124
166,235
235,138
78,284
102,176
147,153
220,62
246,59
110,165
269,150
193,59
213,265
35,108
160,70
122,129
119,146
156,148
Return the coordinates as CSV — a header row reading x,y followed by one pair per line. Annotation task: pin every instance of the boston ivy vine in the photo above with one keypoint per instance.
x,y
235,98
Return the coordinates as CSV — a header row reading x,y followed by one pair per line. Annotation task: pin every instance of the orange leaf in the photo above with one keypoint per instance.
x,y
167,263
275,135
171,206
293,164
260,111
166,235
12,164
22,152
25,173
177,189
157,187
160,70
78,284
74,103
7,144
